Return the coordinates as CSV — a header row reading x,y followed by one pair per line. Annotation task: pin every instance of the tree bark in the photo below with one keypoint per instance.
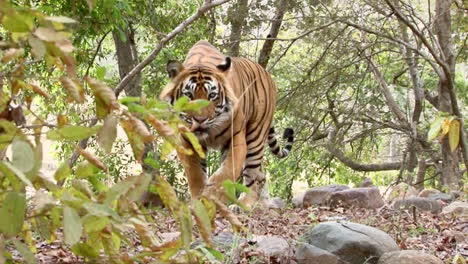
x,y
237,15
450,160
265,52
127,58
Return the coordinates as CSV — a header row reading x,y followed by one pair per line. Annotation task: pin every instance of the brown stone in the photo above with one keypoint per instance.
x,y
408,257
359,197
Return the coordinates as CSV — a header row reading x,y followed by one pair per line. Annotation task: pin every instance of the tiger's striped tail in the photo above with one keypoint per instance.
x,y
273,143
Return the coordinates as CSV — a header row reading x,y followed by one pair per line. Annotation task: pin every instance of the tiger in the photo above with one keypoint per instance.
x,y
237,121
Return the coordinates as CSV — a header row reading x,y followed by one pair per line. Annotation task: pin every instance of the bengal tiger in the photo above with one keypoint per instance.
x,y
238,120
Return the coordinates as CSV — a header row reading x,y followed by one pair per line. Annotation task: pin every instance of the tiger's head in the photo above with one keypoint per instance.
x,y
201,82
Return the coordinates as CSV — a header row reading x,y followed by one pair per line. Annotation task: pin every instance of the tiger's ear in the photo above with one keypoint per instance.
x,y
225,65
173,68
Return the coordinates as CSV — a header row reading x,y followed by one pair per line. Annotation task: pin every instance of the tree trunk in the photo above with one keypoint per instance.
x,y
127,58
450,160
237,15
265,53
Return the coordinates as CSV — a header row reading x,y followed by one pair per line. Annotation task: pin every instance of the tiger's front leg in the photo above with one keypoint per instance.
x,y
232,164
194,167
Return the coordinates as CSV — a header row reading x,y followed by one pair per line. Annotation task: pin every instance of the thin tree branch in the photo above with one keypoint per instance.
x,y
207,5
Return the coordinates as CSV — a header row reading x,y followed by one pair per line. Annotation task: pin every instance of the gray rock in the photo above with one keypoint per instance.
x,y
227,240
399,191
319,195
275,203
309,254
351,242
272,246
359,197
446,198
427,192
298,200
408,257
457,208
420,203
367,182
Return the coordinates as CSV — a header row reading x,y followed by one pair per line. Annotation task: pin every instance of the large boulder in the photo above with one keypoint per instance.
x,y
444,197
428,192
408,257
457,208
420,203
352,243
273,246
399,191
275,203
309,254
359,197
319,195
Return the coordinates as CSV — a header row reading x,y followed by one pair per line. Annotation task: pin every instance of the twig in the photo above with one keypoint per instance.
x,y
96,52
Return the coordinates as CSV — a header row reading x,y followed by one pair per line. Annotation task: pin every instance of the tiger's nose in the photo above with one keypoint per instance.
x,y
200,119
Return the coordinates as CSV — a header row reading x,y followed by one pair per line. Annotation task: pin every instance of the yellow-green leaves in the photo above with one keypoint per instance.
x,y
12,213
72,132
16,21
445,125
23,156
454,134
72,226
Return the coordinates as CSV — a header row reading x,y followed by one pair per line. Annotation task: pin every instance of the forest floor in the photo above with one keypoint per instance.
x,y
433,234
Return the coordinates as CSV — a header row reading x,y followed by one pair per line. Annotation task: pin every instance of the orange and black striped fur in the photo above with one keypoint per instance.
x,y
238,121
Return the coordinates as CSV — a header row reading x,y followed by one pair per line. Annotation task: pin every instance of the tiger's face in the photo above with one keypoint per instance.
x,y
200,83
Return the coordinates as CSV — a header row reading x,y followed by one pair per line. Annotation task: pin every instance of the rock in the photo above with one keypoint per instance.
x,y
319,195
408,257
360,197
400,191
309,254
226,240
446,198
351,242
367,182
272,246
457,208
428,192
421,203
275,203
298,200
170,236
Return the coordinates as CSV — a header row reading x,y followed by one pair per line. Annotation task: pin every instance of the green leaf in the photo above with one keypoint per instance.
x,y
185,219
24,251
23,156
435,128
94,223
195,105
100,72
167,194
85,170
12,213
62,172
72,132
99,210
180,103
137,108
72,227
129,99
196,145
166,149
38,47
17,172
61,19
16,22
203,220
85,250
140,186
454,134
108,133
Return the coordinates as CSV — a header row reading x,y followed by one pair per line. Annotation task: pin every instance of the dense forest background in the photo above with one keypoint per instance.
x,y
373,89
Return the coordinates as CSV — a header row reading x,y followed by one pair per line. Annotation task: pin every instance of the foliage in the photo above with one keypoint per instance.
x,y
93,216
